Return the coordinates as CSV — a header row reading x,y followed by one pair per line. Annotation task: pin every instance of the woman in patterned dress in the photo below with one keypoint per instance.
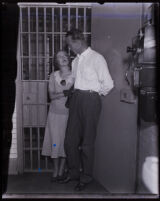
x,y
53,144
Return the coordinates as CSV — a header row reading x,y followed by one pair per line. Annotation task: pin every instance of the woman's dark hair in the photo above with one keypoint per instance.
x,y
76,34
55,63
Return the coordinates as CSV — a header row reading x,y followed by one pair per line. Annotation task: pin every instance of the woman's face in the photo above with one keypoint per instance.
x,y
62,58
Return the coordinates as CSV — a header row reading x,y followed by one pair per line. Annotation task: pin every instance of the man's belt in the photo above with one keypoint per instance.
x,y
87,91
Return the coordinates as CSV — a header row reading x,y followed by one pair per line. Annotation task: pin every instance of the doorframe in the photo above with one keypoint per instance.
x,y
19,108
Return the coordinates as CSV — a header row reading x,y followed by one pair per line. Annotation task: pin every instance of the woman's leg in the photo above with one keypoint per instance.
x,y
55,167
61,166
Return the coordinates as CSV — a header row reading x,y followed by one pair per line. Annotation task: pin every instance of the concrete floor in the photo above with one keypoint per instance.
x,y
38,185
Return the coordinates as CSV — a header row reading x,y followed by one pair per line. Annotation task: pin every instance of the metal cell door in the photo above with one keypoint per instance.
x,y
42,33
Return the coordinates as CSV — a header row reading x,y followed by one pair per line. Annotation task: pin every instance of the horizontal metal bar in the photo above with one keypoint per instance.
x,y
55,4
34,126
41,57
29,104
39,126
36,170
34,57
35,80
50,32
33,148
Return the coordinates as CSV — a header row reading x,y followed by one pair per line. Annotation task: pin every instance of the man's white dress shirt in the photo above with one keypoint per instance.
x,y
91,72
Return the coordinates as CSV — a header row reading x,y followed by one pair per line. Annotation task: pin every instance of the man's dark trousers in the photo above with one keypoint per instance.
x,y
84,112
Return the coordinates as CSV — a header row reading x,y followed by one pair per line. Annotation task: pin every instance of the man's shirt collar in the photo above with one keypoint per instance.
x,y
84,53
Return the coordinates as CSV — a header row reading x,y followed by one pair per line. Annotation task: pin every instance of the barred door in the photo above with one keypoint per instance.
x,y
42,33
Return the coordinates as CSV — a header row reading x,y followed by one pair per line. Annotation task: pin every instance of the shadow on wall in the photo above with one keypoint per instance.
x,y
119,67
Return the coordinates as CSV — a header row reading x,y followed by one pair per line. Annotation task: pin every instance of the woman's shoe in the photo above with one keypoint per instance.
x,y
61,177
54,179
65,180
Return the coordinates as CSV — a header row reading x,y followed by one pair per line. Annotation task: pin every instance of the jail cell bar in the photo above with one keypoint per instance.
x,y
39,25
42,34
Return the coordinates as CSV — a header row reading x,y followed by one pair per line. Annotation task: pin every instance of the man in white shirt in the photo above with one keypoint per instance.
x,y
92,79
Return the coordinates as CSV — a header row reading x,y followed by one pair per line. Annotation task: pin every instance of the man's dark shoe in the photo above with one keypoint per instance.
x,y
64,180
80,186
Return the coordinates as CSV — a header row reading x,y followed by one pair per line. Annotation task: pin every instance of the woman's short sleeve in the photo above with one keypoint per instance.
x,y
51,86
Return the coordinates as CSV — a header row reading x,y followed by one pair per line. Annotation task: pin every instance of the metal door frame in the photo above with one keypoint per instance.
x,y
19,98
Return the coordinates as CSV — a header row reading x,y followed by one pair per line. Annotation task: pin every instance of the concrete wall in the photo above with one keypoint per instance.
x,y
113,26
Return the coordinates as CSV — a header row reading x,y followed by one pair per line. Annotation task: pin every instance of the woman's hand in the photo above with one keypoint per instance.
x,y
56,95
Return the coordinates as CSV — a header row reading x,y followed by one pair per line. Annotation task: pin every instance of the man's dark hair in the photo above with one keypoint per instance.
x,y
76,34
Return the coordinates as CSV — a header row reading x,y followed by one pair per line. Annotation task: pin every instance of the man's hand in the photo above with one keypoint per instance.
x,y
66,92
69,91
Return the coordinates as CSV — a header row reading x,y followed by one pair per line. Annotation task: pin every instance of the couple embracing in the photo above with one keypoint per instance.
x,y
67,129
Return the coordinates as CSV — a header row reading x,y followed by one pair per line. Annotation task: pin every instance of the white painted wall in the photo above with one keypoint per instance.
x,y
13,150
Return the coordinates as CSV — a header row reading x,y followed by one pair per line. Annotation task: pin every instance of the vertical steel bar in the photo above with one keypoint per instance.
x,y
21,44
37,41
37,101
69,24
38,148
21,78
38,78
45,39
19,109
20,20
69,13
52,36
76,17
31,148
46,163
45,47
29,42
84,20
61,28
23,148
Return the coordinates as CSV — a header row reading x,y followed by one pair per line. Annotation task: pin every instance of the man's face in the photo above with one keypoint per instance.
x,y
73,45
